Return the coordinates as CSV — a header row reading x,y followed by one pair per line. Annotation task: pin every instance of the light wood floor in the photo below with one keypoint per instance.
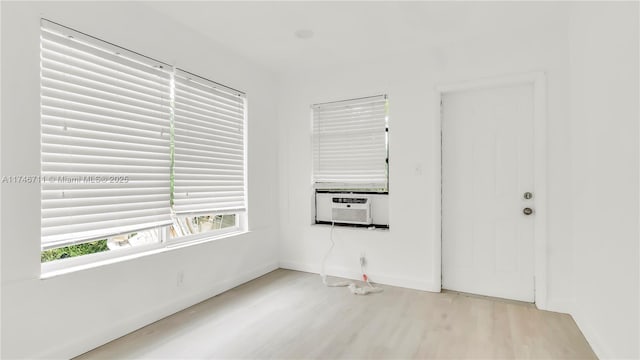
x,y
290,314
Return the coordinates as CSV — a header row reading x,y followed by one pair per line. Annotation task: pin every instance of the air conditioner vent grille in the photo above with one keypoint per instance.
x,y
349,215
351,210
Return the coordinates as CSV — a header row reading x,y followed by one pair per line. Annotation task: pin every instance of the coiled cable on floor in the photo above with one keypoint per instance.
x,y
350,284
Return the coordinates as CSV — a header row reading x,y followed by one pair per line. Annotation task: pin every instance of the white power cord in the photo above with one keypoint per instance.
x,y
350,284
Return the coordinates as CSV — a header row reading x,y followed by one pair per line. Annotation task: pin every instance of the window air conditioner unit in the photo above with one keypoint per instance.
x,y
351,210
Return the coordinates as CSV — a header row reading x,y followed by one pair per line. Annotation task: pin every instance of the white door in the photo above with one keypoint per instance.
x,y
487,167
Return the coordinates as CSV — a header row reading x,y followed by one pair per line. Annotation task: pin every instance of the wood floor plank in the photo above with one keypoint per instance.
x,y
291,315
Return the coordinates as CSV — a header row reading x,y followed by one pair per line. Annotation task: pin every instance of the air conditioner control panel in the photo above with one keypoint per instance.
x,y
349,200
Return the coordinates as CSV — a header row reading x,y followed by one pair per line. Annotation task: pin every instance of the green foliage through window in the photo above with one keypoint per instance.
x,y
74,250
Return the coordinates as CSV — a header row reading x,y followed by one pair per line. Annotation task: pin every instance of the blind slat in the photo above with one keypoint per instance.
x,y
230,122
200,85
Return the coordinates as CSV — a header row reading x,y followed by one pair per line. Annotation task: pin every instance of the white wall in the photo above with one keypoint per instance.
x,y
64,316
406,254
604,116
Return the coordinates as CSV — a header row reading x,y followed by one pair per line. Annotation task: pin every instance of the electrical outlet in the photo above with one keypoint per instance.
x,y
363,259
179,278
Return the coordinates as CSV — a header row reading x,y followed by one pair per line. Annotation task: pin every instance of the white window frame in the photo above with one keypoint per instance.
x,y
60,266
212,234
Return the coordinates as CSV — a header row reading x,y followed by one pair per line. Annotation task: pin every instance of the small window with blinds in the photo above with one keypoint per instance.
x,y
135,153
350,145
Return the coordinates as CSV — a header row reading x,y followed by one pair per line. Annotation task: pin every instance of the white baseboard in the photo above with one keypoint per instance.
x,y
103,335
564,306
568,306
593,338
354,274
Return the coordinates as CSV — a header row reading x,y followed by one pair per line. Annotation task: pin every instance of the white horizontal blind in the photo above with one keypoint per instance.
x,y
209,165
105,139
350,144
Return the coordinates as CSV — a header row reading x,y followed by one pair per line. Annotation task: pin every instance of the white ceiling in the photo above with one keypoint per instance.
x,y
349,32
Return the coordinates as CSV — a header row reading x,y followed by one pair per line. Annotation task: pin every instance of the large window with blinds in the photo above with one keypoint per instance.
x,y
350,145
136,154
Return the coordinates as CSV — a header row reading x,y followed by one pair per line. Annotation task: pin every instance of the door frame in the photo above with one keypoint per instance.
x,y
538,81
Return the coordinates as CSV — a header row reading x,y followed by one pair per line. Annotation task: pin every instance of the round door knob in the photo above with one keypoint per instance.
x,y
527,211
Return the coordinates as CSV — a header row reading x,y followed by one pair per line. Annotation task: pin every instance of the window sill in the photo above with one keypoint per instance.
x,y
354,227
62,267
351,191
